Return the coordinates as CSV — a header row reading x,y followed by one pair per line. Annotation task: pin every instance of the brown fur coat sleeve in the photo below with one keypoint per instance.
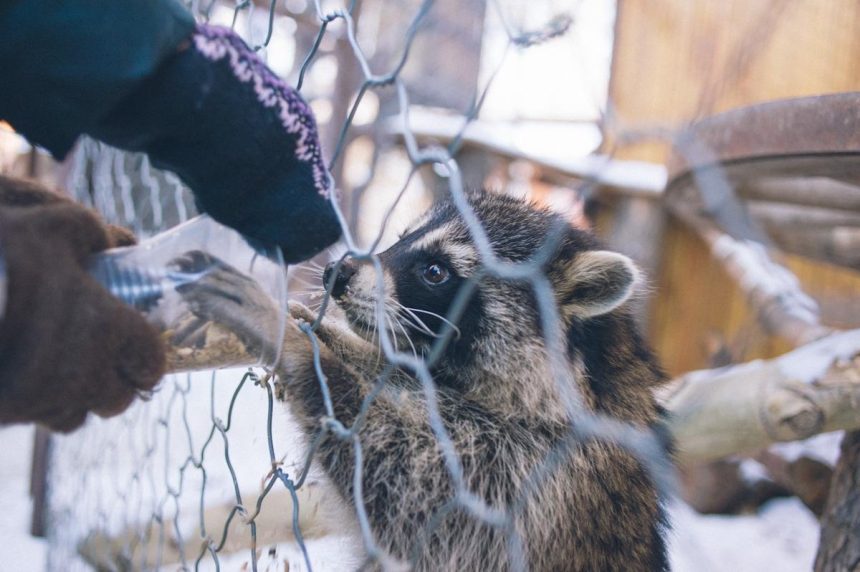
x,y
67,346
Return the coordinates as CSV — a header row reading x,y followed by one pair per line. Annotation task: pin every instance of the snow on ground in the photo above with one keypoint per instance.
x,y
782,536
824,448
335,553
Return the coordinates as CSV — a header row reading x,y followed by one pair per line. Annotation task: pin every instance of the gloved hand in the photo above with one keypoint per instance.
x,y
238,136
67,346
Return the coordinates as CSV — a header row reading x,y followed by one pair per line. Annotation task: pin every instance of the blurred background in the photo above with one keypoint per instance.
x,y
669,127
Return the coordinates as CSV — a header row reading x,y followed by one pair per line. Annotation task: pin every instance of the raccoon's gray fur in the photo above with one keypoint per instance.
x,y
596,509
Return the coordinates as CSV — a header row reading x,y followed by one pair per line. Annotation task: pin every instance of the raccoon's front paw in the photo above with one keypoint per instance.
x,y
217,292
328,331
302,313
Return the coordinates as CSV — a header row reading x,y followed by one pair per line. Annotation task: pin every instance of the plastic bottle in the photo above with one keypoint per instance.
x,y
146,277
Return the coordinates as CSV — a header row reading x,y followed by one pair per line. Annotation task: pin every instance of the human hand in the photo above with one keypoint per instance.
x,y
67,346
242,139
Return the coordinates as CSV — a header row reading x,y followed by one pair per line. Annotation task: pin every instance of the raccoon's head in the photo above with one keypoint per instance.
x,y
498,351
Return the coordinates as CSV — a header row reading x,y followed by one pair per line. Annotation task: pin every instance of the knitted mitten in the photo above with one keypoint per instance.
x,y
243,140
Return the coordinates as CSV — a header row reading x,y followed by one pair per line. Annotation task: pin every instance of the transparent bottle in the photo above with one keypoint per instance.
x,y
147,277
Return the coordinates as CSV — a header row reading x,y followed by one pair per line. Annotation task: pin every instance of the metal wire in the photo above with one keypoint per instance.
x,y
162,434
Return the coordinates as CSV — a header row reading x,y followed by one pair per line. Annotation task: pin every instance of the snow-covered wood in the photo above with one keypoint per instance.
x,y
811,390
515,141
783,307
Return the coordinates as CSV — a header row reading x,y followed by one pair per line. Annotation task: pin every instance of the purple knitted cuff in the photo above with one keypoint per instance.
x,y
216,43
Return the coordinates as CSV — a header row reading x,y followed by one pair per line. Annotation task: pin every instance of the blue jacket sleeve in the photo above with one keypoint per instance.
x,y
65,64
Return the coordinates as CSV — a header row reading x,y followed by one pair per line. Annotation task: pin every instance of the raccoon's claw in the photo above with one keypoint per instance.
x,y
302,313
198,267
190,333
220,293
194,261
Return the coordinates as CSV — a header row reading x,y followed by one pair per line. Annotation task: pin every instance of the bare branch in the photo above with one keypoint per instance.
x,y
783,307
811,390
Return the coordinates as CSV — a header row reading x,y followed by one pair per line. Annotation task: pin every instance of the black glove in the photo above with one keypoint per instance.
x,y
238,136
67,346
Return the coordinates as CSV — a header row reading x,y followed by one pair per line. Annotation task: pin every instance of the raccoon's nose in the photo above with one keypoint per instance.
x,y
347,271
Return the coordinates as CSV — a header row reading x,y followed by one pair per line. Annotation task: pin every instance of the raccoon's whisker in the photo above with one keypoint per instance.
x,y
303,282
375,335
363,305
309,281
308,270
311,265
416,323
391,321
412,318
421,325
299,276
394,320
438,317
315,292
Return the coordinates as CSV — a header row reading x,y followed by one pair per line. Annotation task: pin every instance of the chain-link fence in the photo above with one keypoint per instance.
x,y
211,472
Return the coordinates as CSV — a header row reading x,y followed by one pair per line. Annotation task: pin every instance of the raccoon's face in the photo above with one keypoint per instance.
x,y
419,280
423,273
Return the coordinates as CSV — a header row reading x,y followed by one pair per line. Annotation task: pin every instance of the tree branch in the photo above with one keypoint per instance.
x,y
784,309
811,390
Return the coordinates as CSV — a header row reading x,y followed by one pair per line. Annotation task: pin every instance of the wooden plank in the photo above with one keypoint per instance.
x,y
679,60
676,61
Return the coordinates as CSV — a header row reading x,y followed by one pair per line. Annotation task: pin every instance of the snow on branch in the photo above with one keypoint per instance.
x,y
811,390
774,291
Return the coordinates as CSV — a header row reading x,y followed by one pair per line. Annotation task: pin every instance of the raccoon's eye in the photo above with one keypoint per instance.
x,y
435,274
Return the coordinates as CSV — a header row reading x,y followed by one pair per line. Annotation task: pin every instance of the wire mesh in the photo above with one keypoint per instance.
x,y
144,491
115,198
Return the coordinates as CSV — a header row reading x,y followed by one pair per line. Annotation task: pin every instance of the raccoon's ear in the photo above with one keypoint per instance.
x,y
596,282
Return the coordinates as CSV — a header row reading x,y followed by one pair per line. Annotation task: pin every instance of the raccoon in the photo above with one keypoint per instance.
x,y
569,504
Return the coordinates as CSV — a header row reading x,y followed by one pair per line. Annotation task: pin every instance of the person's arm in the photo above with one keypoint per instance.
x,y
67,346
141,75
66,65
